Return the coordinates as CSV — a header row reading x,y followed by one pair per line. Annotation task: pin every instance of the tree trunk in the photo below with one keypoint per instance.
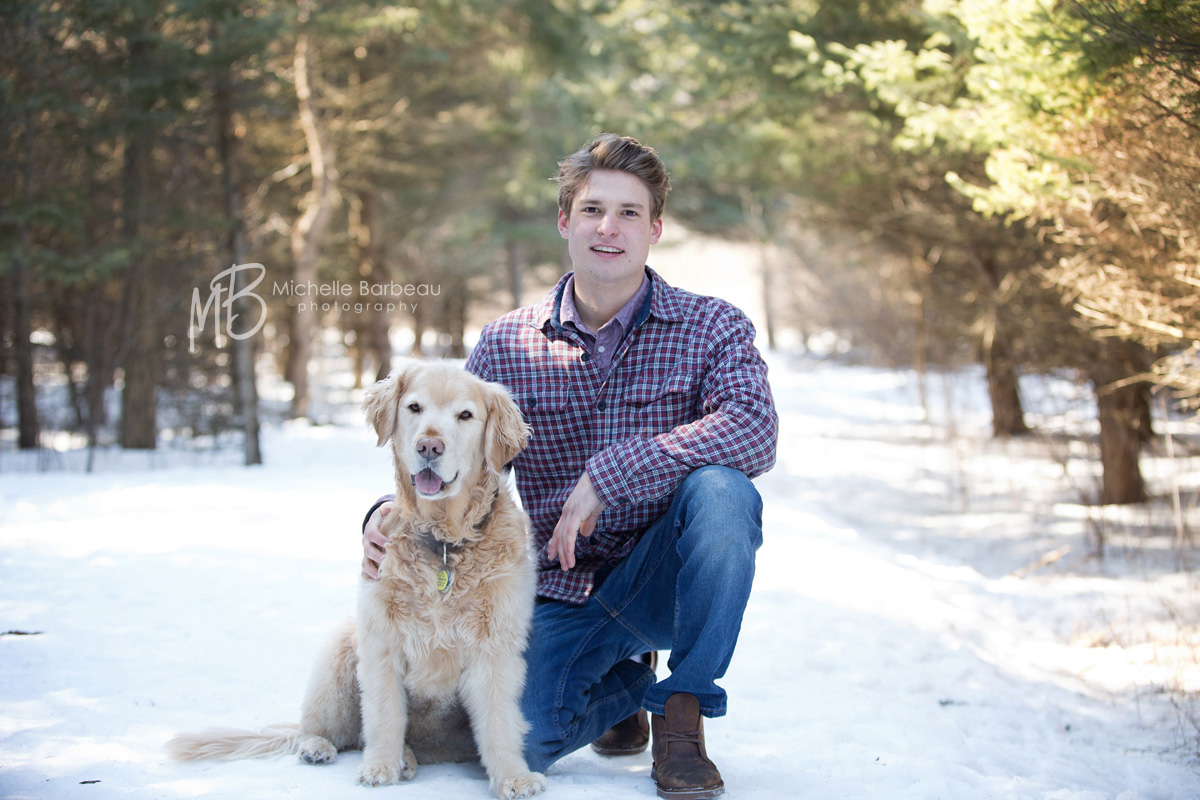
x,y
515,250
27,416
921,269
96,355
455,321
22,295
244,379
768,293
1119,444
140,344
425,309
756,221
101,316
1008,416
1121,405
1004,389
1145,422
420,324
139,401
310,228
67,336
373,326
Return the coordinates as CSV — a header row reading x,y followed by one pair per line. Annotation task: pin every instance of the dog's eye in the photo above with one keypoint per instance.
x,y
465,415
414,408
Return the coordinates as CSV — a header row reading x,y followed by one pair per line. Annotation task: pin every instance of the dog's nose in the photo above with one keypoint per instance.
x,y
429,447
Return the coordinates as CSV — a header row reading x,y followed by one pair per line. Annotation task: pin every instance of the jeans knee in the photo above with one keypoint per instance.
x,y
722,497
724,490
724,482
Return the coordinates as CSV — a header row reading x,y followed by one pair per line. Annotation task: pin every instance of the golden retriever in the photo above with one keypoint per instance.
x,y
434,668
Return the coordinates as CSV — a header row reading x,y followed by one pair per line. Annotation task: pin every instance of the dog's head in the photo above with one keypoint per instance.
x,y
445,424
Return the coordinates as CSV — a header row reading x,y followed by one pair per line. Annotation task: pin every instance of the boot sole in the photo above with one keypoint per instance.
x,y
691,794
619,751
687,794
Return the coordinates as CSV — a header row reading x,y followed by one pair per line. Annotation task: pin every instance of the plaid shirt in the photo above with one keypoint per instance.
x,y
687,388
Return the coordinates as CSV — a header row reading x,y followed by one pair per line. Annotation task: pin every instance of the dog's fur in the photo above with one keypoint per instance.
x,y
422,671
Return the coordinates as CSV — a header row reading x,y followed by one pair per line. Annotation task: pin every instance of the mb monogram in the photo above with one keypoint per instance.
x,y
226,284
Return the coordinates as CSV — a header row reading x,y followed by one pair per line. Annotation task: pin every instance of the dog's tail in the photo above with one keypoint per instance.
x,y
232,744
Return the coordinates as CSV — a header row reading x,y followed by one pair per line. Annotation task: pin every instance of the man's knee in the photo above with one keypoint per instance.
x,y
725,498
722,489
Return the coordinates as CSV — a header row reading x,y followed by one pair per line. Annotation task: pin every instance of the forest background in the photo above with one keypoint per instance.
x,y
1004,182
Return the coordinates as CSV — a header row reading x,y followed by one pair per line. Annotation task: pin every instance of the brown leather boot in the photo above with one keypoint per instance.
x,y
631,735
681,769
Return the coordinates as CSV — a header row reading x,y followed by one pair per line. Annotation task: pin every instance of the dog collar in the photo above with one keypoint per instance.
x,y
445,574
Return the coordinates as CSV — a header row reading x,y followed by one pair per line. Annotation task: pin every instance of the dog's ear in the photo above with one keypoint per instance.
x,y
506,433
379,404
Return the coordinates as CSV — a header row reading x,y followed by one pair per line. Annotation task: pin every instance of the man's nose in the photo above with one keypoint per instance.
x,y
607,225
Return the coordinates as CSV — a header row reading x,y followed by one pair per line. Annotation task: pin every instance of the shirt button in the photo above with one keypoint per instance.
x,y
601,405
601,348
586,357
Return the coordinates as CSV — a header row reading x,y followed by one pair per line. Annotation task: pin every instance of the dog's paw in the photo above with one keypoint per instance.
x,y
380,774
527,785
317,750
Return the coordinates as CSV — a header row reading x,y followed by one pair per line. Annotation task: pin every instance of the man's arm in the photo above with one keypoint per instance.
x,y
739,427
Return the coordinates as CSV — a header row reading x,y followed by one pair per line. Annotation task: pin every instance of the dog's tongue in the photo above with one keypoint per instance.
x,y
427,481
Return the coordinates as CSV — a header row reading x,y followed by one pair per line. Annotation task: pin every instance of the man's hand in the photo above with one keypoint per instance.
x,y
579,516
374,542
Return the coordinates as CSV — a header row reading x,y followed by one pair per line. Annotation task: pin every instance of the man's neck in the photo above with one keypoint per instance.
x,y
597,305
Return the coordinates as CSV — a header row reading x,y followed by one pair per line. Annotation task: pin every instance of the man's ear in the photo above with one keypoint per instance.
x,y
564,224
506,432
379,404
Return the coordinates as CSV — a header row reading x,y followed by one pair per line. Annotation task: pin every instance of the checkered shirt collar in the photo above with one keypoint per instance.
x,y
663,304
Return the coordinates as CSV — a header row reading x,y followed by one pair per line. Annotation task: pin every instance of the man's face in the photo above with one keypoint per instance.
x,y
609,231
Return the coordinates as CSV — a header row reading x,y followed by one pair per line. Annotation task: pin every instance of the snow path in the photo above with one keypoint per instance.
x,y
887,651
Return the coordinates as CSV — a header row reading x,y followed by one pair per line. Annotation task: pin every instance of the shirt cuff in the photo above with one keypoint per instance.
x,y
387,498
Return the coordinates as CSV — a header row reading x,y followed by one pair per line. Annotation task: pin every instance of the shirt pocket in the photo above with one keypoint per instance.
x,y
548,409
658,406
544,398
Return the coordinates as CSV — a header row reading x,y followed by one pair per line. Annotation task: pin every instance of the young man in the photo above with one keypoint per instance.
x,y
650,411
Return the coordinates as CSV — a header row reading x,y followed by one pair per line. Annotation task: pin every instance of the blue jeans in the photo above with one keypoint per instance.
x,y
683,588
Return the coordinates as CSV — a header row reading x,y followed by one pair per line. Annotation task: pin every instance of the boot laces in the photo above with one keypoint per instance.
x,y
682,737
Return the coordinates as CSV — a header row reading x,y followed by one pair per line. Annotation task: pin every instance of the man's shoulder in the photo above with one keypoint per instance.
x,y
525,318
673,303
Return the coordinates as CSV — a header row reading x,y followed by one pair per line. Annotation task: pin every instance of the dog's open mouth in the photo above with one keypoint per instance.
x,y
429,482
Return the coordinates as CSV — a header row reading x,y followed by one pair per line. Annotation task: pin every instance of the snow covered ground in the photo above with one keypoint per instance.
x,y
929,619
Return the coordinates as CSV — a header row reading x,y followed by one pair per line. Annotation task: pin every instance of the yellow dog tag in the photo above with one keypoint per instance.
x,y
444,578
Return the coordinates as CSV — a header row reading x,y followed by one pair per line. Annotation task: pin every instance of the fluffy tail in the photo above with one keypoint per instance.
x,y
232,744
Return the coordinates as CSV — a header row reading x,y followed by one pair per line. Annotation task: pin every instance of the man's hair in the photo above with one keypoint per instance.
x,y
608,151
